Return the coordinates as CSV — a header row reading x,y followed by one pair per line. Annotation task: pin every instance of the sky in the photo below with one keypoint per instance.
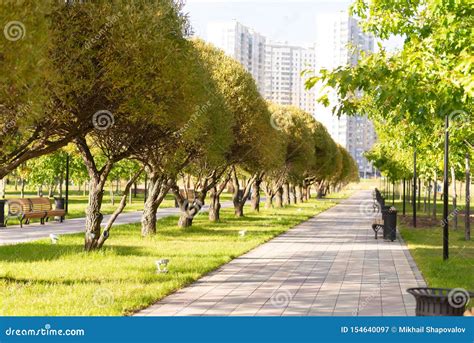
x,y
292,21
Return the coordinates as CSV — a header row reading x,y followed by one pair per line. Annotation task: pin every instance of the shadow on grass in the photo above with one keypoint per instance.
x,y
36,252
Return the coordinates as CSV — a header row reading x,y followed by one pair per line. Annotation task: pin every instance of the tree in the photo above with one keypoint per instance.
x,y
35,113
250,123
197,145
126,69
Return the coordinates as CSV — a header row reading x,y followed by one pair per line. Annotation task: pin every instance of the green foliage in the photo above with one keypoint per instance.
x,y
408,93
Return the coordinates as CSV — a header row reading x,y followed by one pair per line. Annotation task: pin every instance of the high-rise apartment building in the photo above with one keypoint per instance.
x,y
283,81
243,44
341,42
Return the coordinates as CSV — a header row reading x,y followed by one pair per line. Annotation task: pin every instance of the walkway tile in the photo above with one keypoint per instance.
x,y
330,265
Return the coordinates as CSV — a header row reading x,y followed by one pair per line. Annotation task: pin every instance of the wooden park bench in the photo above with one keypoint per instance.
x,y
34,208
43,204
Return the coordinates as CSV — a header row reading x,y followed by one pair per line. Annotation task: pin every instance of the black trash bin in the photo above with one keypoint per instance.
x,y
389,216
59,204
2,213
440,301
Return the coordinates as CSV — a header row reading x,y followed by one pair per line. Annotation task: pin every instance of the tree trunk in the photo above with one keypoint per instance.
x,y
429,197
279,197
123,202
239,210
3,188
269,201
435,193
455,207
305,192
467,212
300,193
185,220
61,181
419,193
255,204
149,217
286,194
93,216
112,195
214,206
424,197
239,196
320,190
22,190
157,191
293,194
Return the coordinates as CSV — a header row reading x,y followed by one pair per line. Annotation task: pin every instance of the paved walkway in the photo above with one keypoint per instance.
x,y
329,265
14,234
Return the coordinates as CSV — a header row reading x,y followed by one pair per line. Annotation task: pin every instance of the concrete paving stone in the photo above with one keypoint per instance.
x,y
329,265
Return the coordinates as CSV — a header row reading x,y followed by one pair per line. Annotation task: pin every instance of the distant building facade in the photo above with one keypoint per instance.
x,y
341,42
283,81
243,44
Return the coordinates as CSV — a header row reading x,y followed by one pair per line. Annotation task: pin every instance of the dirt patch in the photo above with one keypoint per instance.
x,y
423,222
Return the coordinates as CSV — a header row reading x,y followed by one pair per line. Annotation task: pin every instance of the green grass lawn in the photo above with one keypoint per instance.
x,y
426,245
426,248
39,278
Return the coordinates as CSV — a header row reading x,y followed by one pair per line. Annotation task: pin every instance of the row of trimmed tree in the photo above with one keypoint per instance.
x,y
121,82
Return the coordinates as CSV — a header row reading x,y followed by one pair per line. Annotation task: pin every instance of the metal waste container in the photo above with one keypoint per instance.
x,y
60,204
389,215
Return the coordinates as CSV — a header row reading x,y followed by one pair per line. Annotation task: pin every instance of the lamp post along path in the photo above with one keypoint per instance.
x,y
446,192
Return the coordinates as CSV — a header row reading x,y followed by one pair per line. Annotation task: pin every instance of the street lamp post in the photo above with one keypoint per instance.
x,y
467,229
414,188
66,206
404,196
445,192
